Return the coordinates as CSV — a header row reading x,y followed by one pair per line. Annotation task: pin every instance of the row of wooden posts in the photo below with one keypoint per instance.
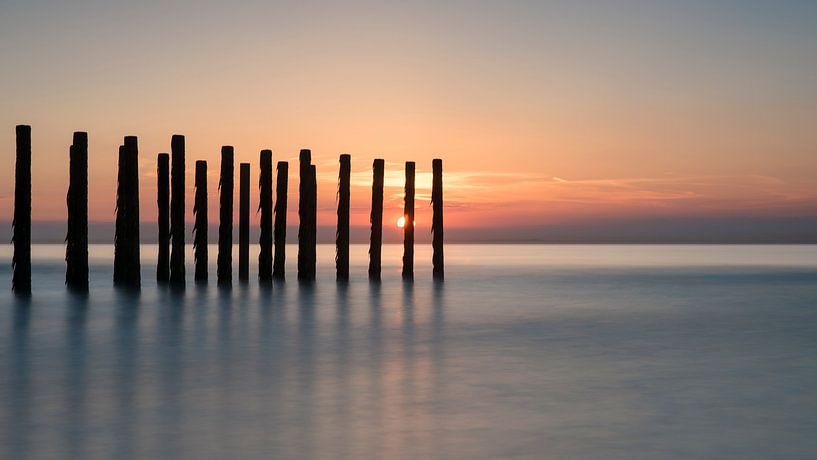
x,y
170,201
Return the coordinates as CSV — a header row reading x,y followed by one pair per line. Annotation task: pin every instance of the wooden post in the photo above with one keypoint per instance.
x,y
313,222
408,229
244,223
225,226
200,227
127,270
438,271
265,259
76,248
342,235
305,216
177,211
376,218
279,262
163,202
21,260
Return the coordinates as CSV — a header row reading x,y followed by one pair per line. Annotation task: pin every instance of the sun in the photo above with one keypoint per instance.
x,y
401,222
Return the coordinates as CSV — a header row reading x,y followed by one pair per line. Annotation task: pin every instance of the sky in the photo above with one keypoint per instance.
x,y
674,117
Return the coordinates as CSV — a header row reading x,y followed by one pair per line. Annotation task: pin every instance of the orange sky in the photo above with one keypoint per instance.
x,y
542,113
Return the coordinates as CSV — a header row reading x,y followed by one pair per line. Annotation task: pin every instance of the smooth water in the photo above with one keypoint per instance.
x,y
585,352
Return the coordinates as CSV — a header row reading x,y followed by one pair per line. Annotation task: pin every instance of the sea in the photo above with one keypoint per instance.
x,y
524,352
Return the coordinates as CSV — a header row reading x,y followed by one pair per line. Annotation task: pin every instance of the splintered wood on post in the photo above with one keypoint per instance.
x,y
127,270
225,225
342,234
279,262
376,218
244,223
76,239
437,261
408,227
163,203
21,226
177,277
200,257
265,240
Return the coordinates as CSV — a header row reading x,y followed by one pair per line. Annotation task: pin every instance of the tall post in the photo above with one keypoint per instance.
x,y
342,235
437,261
376,218
225,225
177,210
126,265
313,222
163,202
200,227
76,247
265,259
282,182
408,228
304,214
21,260
244,223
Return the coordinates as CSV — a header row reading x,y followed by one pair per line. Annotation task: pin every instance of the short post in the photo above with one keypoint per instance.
x,y
177,211
279,262
163,202
376,218
265,240
244,223
408,228
200,256
225,226
76,248
342,235
126,266
437,261
21,260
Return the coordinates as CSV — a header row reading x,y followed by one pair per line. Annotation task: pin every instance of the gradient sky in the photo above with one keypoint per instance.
x,y
545,113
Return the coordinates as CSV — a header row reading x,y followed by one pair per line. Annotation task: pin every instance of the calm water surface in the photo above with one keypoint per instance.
x,y
585,352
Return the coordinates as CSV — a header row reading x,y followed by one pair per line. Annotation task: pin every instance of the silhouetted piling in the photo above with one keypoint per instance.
x,y
163,202
279,261
307,212
76,240
265,240
342,235
225,226
126,265
21,226
408,228
244,223
376,219
200,257
437,261
177,210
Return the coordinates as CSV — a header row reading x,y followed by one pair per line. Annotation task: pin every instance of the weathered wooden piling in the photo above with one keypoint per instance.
x,y
408,228
376,219
76,239
177,210
437,261
163,203
200,256
126,266
244,223
279,261
307,212
265,240
21,226
225,226
342,234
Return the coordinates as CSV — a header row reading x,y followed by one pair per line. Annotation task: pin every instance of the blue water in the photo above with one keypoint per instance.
x,y
564,352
